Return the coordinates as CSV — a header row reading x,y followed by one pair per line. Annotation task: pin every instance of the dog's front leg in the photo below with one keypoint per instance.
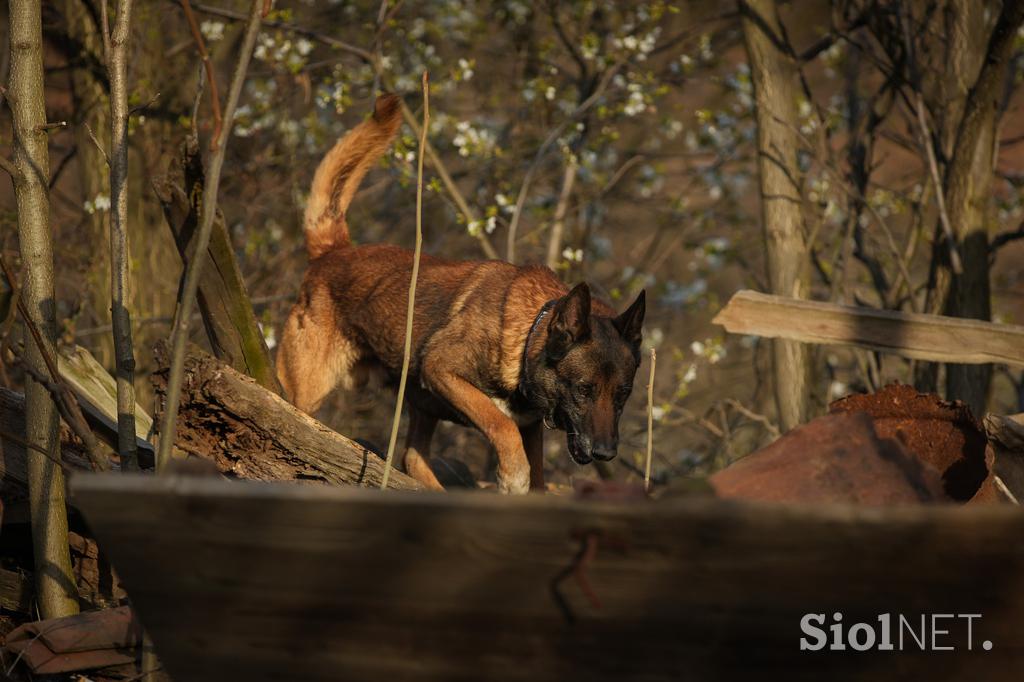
x,y
513,468
533,443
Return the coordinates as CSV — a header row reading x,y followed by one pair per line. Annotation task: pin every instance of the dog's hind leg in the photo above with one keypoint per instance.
x,y
417,448
313,358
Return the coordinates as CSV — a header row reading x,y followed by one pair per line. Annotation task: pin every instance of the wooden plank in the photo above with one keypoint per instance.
x,y
923,337
13,458
15,591
237,580
96,391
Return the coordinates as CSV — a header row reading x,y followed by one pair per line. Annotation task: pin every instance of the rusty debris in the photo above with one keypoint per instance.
x,y
943,434
836,458
86,641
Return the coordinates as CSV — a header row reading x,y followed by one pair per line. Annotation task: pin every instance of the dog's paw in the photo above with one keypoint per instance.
x,y
514,483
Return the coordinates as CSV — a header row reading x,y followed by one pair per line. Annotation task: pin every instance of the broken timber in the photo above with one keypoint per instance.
x,y
250,432
911,335
327,583
223,300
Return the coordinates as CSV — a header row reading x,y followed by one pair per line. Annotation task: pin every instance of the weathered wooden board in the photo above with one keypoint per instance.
x,y
96,391
923,337
239,580
13,458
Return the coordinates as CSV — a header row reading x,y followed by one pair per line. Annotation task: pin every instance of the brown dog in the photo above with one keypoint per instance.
x,y
503,348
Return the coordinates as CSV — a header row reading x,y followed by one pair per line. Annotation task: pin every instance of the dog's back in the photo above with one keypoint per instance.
x,y
350,315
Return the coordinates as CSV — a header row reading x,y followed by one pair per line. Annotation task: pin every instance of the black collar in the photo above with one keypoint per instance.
x,y
541,314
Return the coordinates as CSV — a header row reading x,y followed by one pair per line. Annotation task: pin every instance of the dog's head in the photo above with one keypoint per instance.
x,y
584,374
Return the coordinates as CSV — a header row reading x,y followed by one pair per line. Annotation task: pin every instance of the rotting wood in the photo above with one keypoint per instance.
x,y
15,591
324,583
223,300
250,432
911,335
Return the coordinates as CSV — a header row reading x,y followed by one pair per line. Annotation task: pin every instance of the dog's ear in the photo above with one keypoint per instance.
x,y
570,321
630,323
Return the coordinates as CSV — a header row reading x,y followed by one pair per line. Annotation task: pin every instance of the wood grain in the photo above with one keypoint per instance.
x,y
923,337
250,432
237,580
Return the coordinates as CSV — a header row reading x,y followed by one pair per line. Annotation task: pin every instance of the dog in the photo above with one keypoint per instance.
x,y
503,348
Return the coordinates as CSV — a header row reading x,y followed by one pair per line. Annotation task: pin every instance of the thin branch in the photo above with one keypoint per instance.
x,y
940,199
365,55
9,167
1004,238
650,422
7,435
583,107
95,141
412,285
183,313
769,426
446,180
197,36
558,223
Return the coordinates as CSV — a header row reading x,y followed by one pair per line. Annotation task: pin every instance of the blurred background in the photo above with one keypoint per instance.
x,y
625,131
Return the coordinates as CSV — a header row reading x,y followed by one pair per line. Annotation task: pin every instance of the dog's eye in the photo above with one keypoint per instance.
x,y
584,390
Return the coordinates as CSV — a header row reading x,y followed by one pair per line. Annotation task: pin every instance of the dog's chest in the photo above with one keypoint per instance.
x,y
520,418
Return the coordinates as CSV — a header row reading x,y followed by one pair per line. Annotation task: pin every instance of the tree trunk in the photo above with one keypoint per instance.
x,y
968,191
772,73
55,586
124,354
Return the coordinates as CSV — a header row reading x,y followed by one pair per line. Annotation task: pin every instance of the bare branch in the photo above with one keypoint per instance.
x,y
650,421
407,353
92,136
552,137
9,167
933,166
197,36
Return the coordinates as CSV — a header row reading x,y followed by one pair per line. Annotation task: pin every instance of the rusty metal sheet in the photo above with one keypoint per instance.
x,y
836,458
944,434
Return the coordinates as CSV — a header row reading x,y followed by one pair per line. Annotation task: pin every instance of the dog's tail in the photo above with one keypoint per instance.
x,y
338,176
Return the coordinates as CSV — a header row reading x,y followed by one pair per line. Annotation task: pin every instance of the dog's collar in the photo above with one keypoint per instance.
x,y
541,314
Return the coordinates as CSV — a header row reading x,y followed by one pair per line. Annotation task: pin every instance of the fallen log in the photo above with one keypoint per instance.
x,y
911,335
250,432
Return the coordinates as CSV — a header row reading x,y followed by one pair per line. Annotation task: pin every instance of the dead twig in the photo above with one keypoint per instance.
x,y
197,36
524,189
95,141
412,285
650,422
940,199
449,184
769,426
